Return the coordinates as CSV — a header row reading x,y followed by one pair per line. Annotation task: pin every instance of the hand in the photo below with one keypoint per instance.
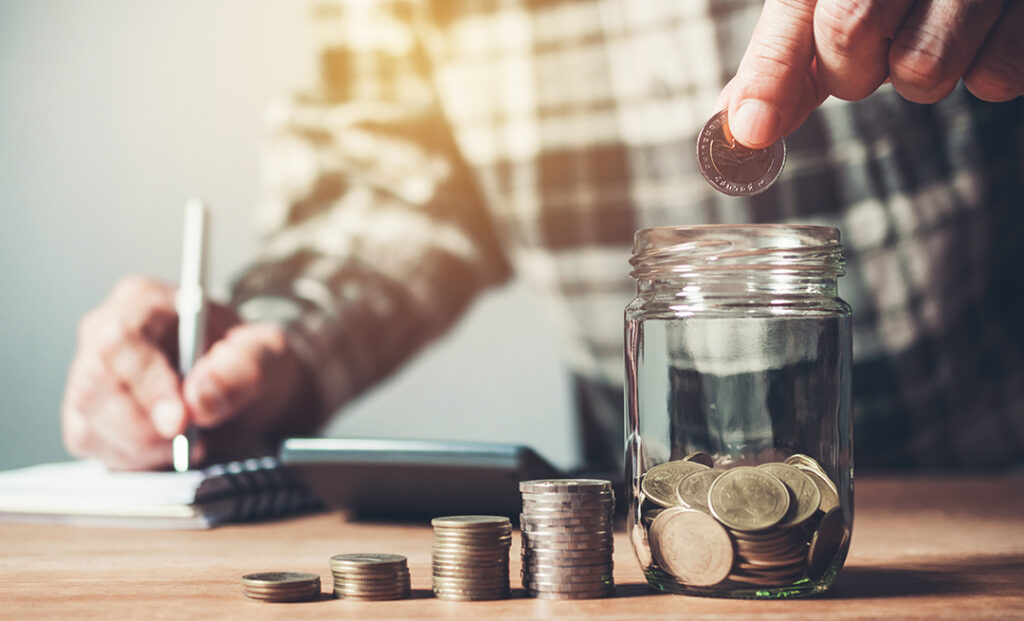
x,y
802,51
124,402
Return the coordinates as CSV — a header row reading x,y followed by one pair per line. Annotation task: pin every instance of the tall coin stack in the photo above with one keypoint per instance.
x,y
370,576
567,538
470,557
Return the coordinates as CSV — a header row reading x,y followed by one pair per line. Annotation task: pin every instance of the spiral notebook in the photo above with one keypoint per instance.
x,y
86,493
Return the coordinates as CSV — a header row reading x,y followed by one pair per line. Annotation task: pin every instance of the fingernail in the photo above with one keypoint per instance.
x,y
168,418
755,124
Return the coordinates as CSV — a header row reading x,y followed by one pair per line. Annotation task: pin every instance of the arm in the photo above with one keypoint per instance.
x,y
376,237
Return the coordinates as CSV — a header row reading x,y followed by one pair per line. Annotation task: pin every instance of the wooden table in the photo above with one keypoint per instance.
x,y
932,548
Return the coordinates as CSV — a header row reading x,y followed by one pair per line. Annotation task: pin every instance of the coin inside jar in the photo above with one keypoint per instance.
x,y
732,168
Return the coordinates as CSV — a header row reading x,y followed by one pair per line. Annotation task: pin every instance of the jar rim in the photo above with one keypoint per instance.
x,y
719,248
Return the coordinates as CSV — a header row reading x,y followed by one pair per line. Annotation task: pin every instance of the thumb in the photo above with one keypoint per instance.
x,y
239,373
774,89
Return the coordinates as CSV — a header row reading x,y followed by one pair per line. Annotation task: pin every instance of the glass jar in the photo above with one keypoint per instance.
x,y
739,470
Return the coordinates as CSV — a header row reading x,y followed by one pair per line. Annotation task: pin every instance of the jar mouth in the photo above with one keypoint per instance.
x,y
720,248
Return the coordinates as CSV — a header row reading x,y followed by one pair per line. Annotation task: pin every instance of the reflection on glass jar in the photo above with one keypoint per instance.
x,y
738,435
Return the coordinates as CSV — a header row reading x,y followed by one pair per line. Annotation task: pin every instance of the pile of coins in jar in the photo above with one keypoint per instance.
x,y
769,525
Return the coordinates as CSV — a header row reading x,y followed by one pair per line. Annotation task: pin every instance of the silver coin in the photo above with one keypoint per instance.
x,y
565,485
584,587
586,570
470,521
471,597
555,535
578,556
373,559
592,595
280,578
575,521
732,168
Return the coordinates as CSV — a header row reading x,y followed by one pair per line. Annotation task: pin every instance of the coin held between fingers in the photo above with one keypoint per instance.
x,y
732,168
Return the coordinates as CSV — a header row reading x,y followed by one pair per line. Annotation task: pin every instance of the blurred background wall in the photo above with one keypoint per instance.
x,y
112,113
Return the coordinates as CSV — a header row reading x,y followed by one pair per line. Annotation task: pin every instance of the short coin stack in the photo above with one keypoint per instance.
x,y
765,526
470,557
281,586
567,538
370,576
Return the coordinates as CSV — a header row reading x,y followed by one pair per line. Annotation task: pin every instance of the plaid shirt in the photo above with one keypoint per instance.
x,y
453,143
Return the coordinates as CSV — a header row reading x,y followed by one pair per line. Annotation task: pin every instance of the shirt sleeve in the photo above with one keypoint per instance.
x,y
374,234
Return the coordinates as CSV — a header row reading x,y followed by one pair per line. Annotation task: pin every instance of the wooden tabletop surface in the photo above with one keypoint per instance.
x,y
934,548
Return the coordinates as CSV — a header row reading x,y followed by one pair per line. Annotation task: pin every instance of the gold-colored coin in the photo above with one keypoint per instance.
x,y
692,546
799,459
660,482
805,495
829,492
693,490
748,499
825,543
701,457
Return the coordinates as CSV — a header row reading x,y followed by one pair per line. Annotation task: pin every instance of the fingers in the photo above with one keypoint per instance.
x,y
936,44
100,418
997,73
248,370
852,43
771,84
122,391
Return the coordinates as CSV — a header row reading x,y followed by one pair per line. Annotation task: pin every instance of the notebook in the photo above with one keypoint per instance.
x,y
85,492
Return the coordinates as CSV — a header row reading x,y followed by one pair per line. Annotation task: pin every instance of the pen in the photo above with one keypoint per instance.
x,y
190,304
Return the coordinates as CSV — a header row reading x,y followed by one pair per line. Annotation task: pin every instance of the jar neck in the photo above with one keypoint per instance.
x,y
739,285
738,262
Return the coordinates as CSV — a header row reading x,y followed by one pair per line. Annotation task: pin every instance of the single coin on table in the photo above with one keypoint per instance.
x,y
732,168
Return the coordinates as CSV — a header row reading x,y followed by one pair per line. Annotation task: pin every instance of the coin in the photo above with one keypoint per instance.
x,y
597,593
470,596
825,543
565,485
466,522
748,499
281,586
732,168
692,546
692,491
829,493
802,489
368,560
659,484
799,459
701,457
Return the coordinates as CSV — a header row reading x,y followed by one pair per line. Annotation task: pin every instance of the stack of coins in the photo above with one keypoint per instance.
x,y
370,576
470,557
765,526
567,538
281,586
